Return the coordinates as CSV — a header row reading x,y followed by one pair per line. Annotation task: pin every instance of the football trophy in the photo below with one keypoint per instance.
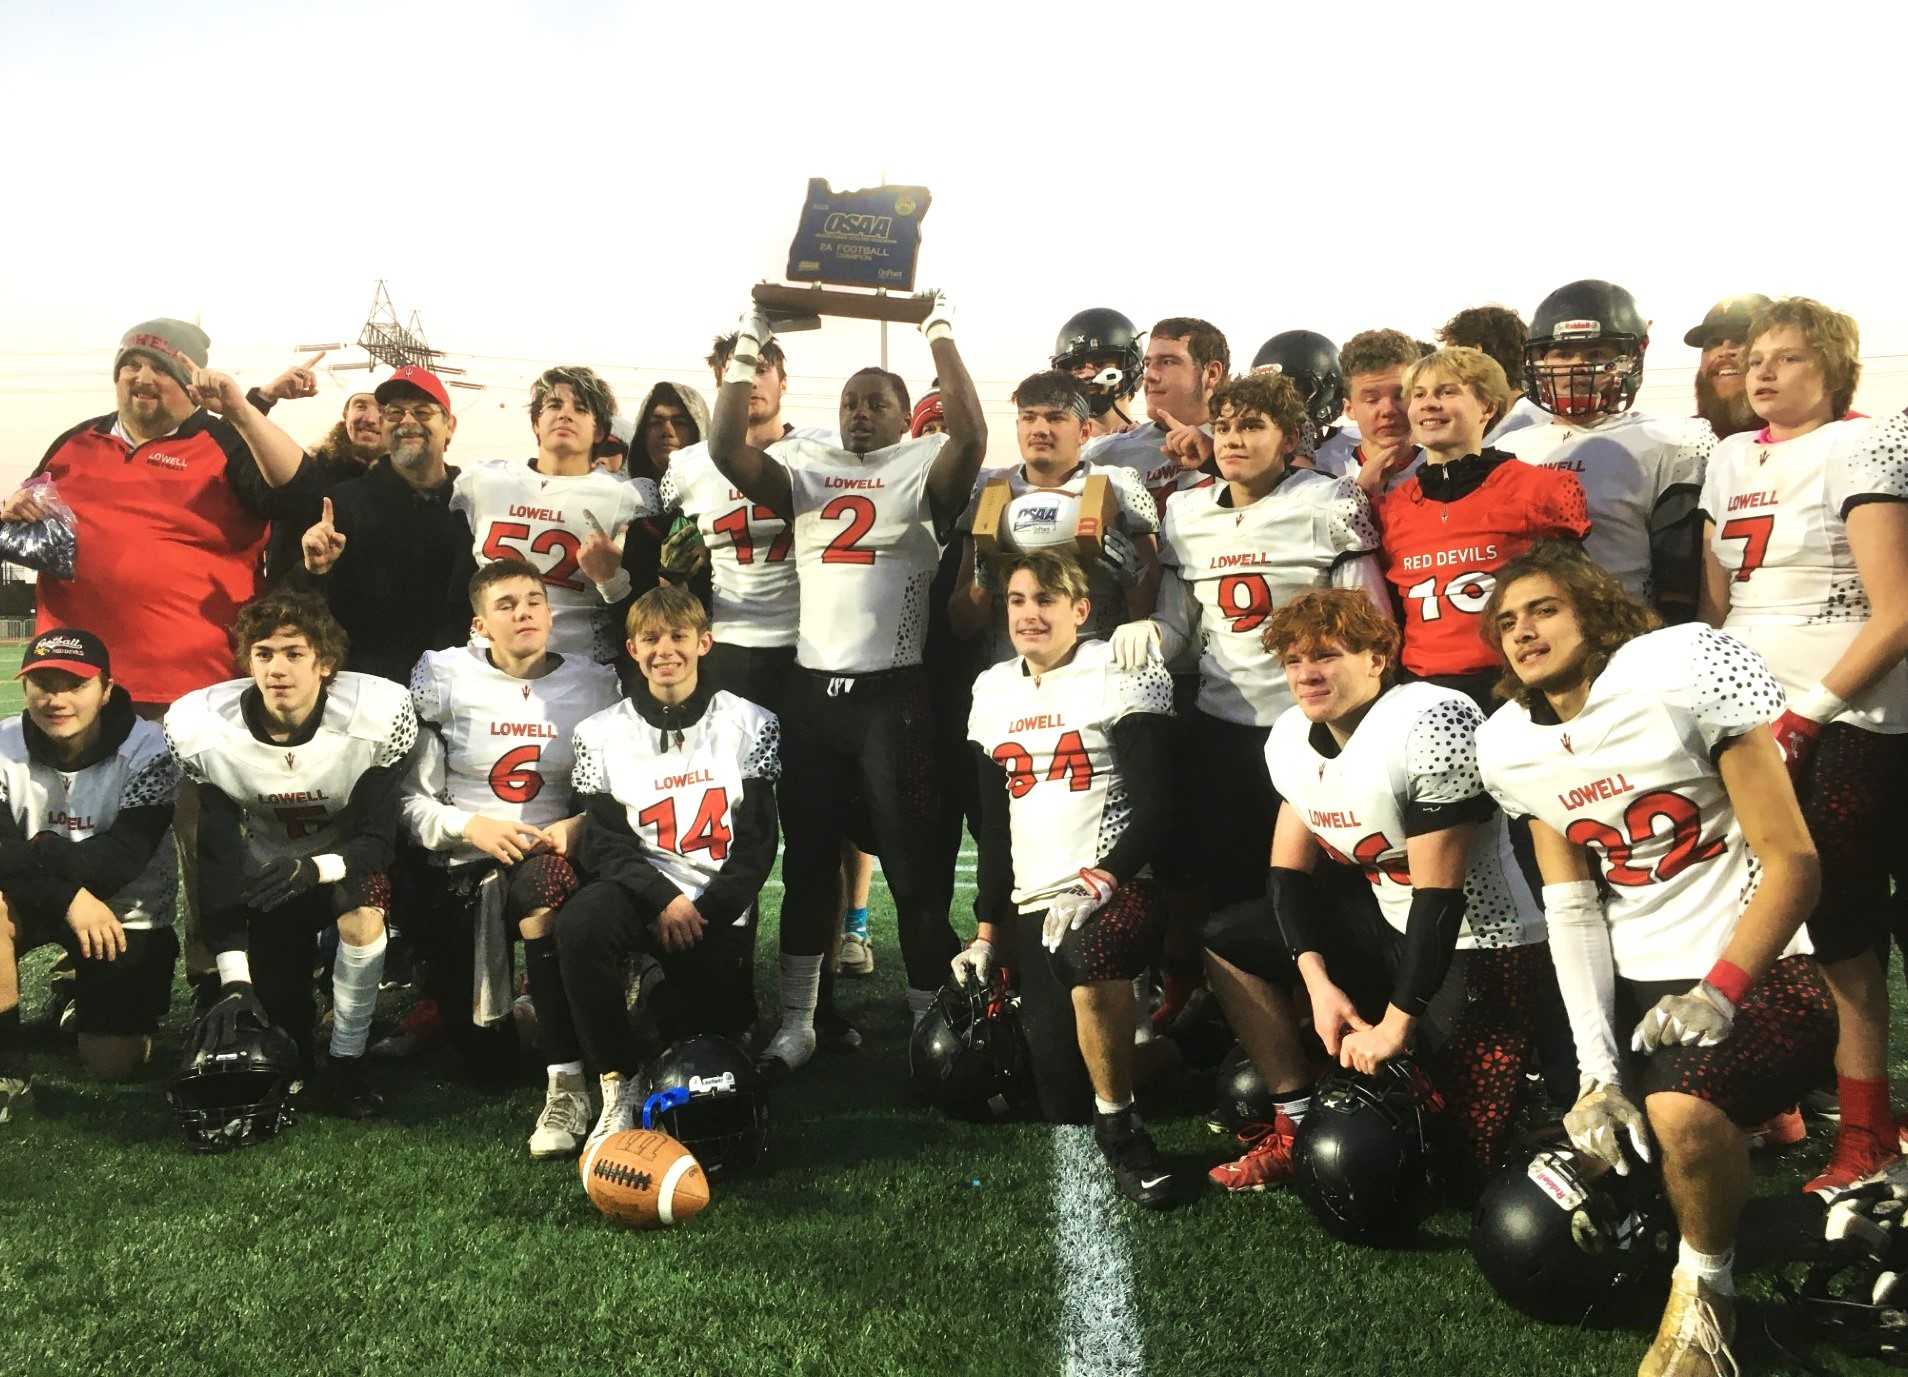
x,y
867,239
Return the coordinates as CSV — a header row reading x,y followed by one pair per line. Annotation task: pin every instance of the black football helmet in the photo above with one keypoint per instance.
x,y
1561,1235
1855,1292
234,1091
1361,1159
1311,362
706,1094
1584,313
1242,1097
968,1054
1092,336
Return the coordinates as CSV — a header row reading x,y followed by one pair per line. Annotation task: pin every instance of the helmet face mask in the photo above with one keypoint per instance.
x,y
1101,348
706,1094
237,1093
968,1054
1601,336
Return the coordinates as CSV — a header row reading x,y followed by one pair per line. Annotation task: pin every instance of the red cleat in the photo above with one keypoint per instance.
x,y
1267,1162
1786,1129
1857,1153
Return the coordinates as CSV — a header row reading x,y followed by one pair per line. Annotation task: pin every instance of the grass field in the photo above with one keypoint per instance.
x,y
882,1240
10,655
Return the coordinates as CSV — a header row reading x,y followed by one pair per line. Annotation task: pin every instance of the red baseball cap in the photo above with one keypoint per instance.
x,y
68,648
422,379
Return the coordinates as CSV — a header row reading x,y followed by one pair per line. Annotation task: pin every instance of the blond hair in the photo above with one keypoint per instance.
x,y
1472,368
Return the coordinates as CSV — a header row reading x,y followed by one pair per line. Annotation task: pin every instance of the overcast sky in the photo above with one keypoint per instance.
x,y
601,184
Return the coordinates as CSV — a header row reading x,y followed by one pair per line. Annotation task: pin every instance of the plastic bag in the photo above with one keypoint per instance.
x,y
48,544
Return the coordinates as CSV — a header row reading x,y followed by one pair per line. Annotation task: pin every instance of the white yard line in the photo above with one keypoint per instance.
x,y
1099,1312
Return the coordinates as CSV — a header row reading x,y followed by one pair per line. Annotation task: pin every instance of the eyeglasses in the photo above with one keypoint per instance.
x,y
423,412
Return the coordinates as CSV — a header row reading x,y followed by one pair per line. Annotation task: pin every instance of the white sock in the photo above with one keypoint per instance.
x,y
1109,1107
1717,1271
563,1068
920,1001
801,990
354,995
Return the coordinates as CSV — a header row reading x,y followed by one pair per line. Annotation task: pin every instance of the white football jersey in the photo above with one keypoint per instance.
x,y
680,801
1523,412
1631,776
865,552
516,512
84,803
1626,464
1415,748
497,747
1067,802
294,799
1228,569
1045,518
1141,449
1781,531
1337,454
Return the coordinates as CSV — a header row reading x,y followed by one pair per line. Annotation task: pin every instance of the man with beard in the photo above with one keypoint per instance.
x,y
1721,398
384,546
869,520
348,449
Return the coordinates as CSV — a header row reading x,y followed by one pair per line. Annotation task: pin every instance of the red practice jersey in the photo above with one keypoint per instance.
x,y
1441,557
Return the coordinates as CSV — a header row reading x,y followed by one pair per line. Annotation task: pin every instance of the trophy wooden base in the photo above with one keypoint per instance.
x,y
801,308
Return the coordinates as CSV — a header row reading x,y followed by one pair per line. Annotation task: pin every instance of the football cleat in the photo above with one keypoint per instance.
x,y
622,1102
16,1093
1783,1130
857,955
1693,1339
344,1090
1267,1161
1823,1104
1857,1153
834,1033
792,1048
423,1025
1139,1172
565,1119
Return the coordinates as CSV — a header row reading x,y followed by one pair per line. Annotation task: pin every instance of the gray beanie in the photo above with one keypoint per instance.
x,y
178,346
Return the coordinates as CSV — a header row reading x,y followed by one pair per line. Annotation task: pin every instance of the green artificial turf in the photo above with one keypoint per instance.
x,y
882,1240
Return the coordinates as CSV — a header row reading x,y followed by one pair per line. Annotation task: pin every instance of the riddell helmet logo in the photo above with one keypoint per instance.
x,y
713,1085
1577,329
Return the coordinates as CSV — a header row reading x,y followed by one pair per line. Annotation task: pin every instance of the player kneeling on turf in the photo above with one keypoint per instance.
x,y
677,785
1072,760
88,791
1652,749
1439,951
298,768
489,794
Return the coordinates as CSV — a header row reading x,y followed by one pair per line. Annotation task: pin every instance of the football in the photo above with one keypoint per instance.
x,y
645,1179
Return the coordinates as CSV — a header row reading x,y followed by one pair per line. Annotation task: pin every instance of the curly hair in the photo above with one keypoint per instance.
x,y
288,610
1376,351
1835,339
1498,331
592,393
1344,617
1608,617
1273,395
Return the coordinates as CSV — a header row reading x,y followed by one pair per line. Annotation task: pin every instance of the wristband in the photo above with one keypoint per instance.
x,y
739,370
235,968
615,588
330,867
1729,980
1819,705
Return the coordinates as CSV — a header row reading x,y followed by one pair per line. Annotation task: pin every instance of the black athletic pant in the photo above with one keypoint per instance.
x,y
858,765
705,989
281,953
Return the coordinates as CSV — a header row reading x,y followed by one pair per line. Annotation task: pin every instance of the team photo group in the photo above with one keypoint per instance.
x,y
1494,785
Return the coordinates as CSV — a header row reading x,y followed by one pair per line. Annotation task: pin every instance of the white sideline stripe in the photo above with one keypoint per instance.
x,y
1099,1313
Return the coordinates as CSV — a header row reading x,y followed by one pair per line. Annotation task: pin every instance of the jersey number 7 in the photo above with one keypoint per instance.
x,y
1754,533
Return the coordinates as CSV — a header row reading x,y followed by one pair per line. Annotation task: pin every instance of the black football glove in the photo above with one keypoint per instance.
x,y
281,881
61,855
221,1022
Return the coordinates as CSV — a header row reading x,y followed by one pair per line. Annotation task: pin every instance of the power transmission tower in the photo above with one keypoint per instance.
x,y
395,345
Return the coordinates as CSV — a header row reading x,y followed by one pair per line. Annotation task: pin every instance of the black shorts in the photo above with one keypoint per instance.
x,y
1221,838
1783,1039
757,673
124,997
1120,941
1850,789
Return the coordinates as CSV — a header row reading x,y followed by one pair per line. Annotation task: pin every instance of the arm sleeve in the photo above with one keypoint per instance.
x,y
1176,613
1142,748
994,867
1431,933
1293,895
1443,785
1586,974
751,857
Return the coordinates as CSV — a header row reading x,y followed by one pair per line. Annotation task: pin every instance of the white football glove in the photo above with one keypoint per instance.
x,y
940,319
1070,908
1121,558
1596,1122
752,330
1700,1018
1134,643
977,959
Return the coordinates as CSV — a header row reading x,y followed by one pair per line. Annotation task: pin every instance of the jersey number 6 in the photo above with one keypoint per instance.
x,y
515,777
